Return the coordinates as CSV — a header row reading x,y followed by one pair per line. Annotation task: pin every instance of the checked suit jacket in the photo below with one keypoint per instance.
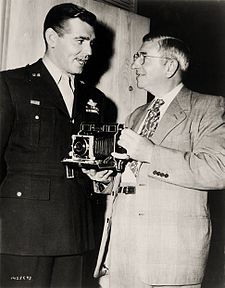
x,y
170,214
41,211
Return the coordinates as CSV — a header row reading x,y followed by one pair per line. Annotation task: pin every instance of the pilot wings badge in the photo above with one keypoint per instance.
x,y
91,107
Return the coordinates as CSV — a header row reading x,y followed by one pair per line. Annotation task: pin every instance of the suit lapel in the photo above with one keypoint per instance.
x,y
174,115
138,120
45,86
79,101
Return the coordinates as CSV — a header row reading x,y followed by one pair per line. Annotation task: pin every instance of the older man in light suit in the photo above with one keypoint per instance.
x,y
159,224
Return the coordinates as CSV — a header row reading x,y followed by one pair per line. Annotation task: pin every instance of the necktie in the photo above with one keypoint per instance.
x,y
148,129
152,119
65,86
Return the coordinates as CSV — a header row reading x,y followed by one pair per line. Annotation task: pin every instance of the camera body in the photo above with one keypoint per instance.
x,y
93,145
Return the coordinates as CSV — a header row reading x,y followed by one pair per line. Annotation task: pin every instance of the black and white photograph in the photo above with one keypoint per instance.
x,y
112,144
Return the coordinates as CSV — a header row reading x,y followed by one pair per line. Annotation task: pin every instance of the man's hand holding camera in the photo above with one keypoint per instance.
x,y
138,147
103,176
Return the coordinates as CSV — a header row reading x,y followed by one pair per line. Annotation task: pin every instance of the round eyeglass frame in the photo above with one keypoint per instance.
x,y
142,57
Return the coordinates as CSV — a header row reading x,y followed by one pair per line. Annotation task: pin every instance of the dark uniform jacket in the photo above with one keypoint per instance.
x,y
42,212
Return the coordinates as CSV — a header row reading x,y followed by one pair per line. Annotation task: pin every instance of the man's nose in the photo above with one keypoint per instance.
x,y
88,48
135,64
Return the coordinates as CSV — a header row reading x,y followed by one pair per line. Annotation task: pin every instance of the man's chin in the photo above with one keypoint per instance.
x,y
77,71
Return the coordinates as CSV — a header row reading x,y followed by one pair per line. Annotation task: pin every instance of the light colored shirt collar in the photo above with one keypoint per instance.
x,y
168,98
55,72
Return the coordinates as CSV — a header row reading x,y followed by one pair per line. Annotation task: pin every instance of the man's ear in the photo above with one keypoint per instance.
x,y
51,37
172,66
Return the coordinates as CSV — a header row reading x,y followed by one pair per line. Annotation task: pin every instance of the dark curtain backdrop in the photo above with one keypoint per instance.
x,y
202,25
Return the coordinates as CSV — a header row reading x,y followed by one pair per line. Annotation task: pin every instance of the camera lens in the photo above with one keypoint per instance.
x,y
80,147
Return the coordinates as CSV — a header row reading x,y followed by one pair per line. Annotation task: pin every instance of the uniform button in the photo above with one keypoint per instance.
x,y
19,194
158,173
154,172
37,117
166,175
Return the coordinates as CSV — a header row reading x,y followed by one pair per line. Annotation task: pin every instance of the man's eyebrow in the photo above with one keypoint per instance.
x,y
82,37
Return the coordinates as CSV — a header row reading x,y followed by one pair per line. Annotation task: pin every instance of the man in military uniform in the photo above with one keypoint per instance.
x,y
46,221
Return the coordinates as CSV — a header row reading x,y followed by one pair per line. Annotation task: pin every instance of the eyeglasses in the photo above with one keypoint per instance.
x,y
141,57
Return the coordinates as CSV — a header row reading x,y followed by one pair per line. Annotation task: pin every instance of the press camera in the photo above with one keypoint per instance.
x,y
94,146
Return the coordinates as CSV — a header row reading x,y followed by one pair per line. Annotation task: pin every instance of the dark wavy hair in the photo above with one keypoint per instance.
x,y
58,14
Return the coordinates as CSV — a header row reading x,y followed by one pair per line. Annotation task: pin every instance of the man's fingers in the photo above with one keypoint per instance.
x,y
102,175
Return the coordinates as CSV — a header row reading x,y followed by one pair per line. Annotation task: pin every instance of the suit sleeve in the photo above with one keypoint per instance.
x,y
6,121
203,167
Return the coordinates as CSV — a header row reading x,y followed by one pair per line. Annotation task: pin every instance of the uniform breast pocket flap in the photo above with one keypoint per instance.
x,y
25,187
